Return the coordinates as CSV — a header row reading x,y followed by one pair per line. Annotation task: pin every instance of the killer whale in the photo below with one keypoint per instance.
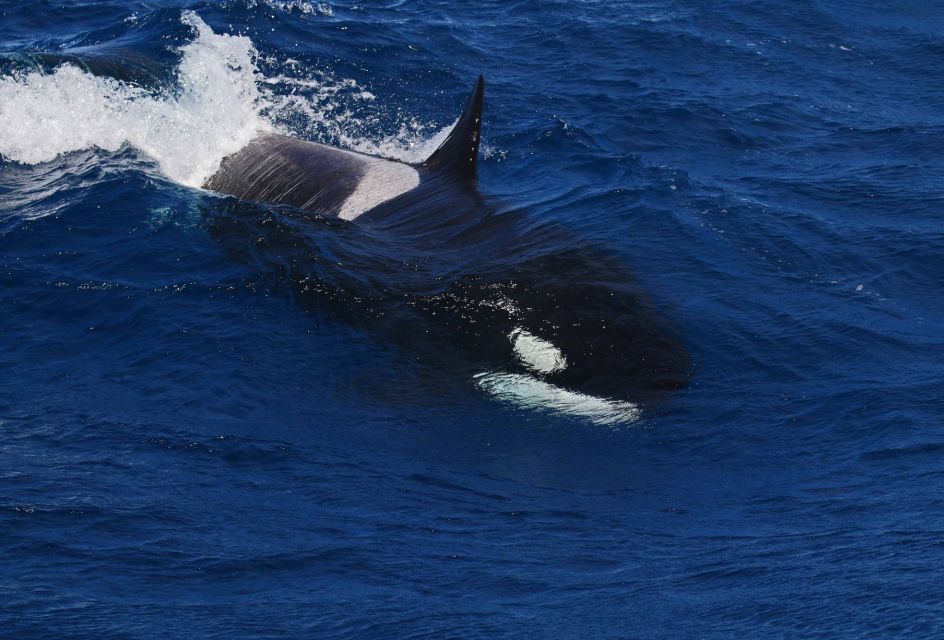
x,y
326,180
416,254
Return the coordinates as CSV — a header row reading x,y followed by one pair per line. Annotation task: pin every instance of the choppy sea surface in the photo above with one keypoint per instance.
x,y
188,452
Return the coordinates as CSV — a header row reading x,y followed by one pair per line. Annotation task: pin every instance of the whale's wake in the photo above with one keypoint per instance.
x,y
220,100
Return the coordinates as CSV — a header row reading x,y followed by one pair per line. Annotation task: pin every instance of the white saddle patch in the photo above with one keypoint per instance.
x,y
383,180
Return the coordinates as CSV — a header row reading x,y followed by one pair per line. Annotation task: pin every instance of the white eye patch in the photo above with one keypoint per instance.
x,y
538,355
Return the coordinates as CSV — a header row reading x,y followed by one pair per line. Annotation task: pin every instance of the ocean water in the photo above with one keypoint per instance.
x,y
186,451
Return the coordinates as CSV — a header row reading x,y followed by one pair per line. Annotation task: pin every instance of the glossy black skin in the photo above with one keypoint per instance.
x,y
444,275
518,275
282,170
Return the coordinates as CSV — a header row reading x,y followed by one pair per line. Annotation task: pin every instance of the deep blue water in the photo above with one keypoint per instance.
x,y
188,452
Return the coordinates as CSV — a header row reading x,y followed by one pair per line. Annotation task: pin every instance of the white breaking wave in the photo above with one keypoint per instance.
x,y
221,101
214,114
302,6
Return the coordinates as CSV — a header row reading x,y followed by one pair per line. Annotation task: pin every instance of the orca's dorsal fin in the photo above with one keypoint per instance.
x,y
459,153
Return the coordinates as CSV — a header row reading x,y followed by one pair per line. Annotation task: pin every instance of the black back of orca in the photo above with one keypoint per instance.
x,y
282,170
325,180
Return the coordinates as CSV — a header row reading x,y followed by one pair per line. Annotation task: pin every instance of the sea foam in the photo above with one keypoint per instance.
x,y
214,111
220,101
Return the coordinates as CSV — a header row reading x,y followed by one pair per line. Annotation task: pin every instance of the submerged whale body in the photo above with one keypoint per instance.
x,y
433,268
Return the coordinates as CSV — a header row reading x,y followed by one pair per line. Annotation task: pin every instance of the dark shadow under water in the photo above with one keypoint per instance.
x,y
477,292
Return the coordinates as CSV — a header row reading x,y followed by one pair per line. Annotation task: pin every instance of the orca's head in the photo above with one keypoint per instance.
x,y
590,351
598,340
557,332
